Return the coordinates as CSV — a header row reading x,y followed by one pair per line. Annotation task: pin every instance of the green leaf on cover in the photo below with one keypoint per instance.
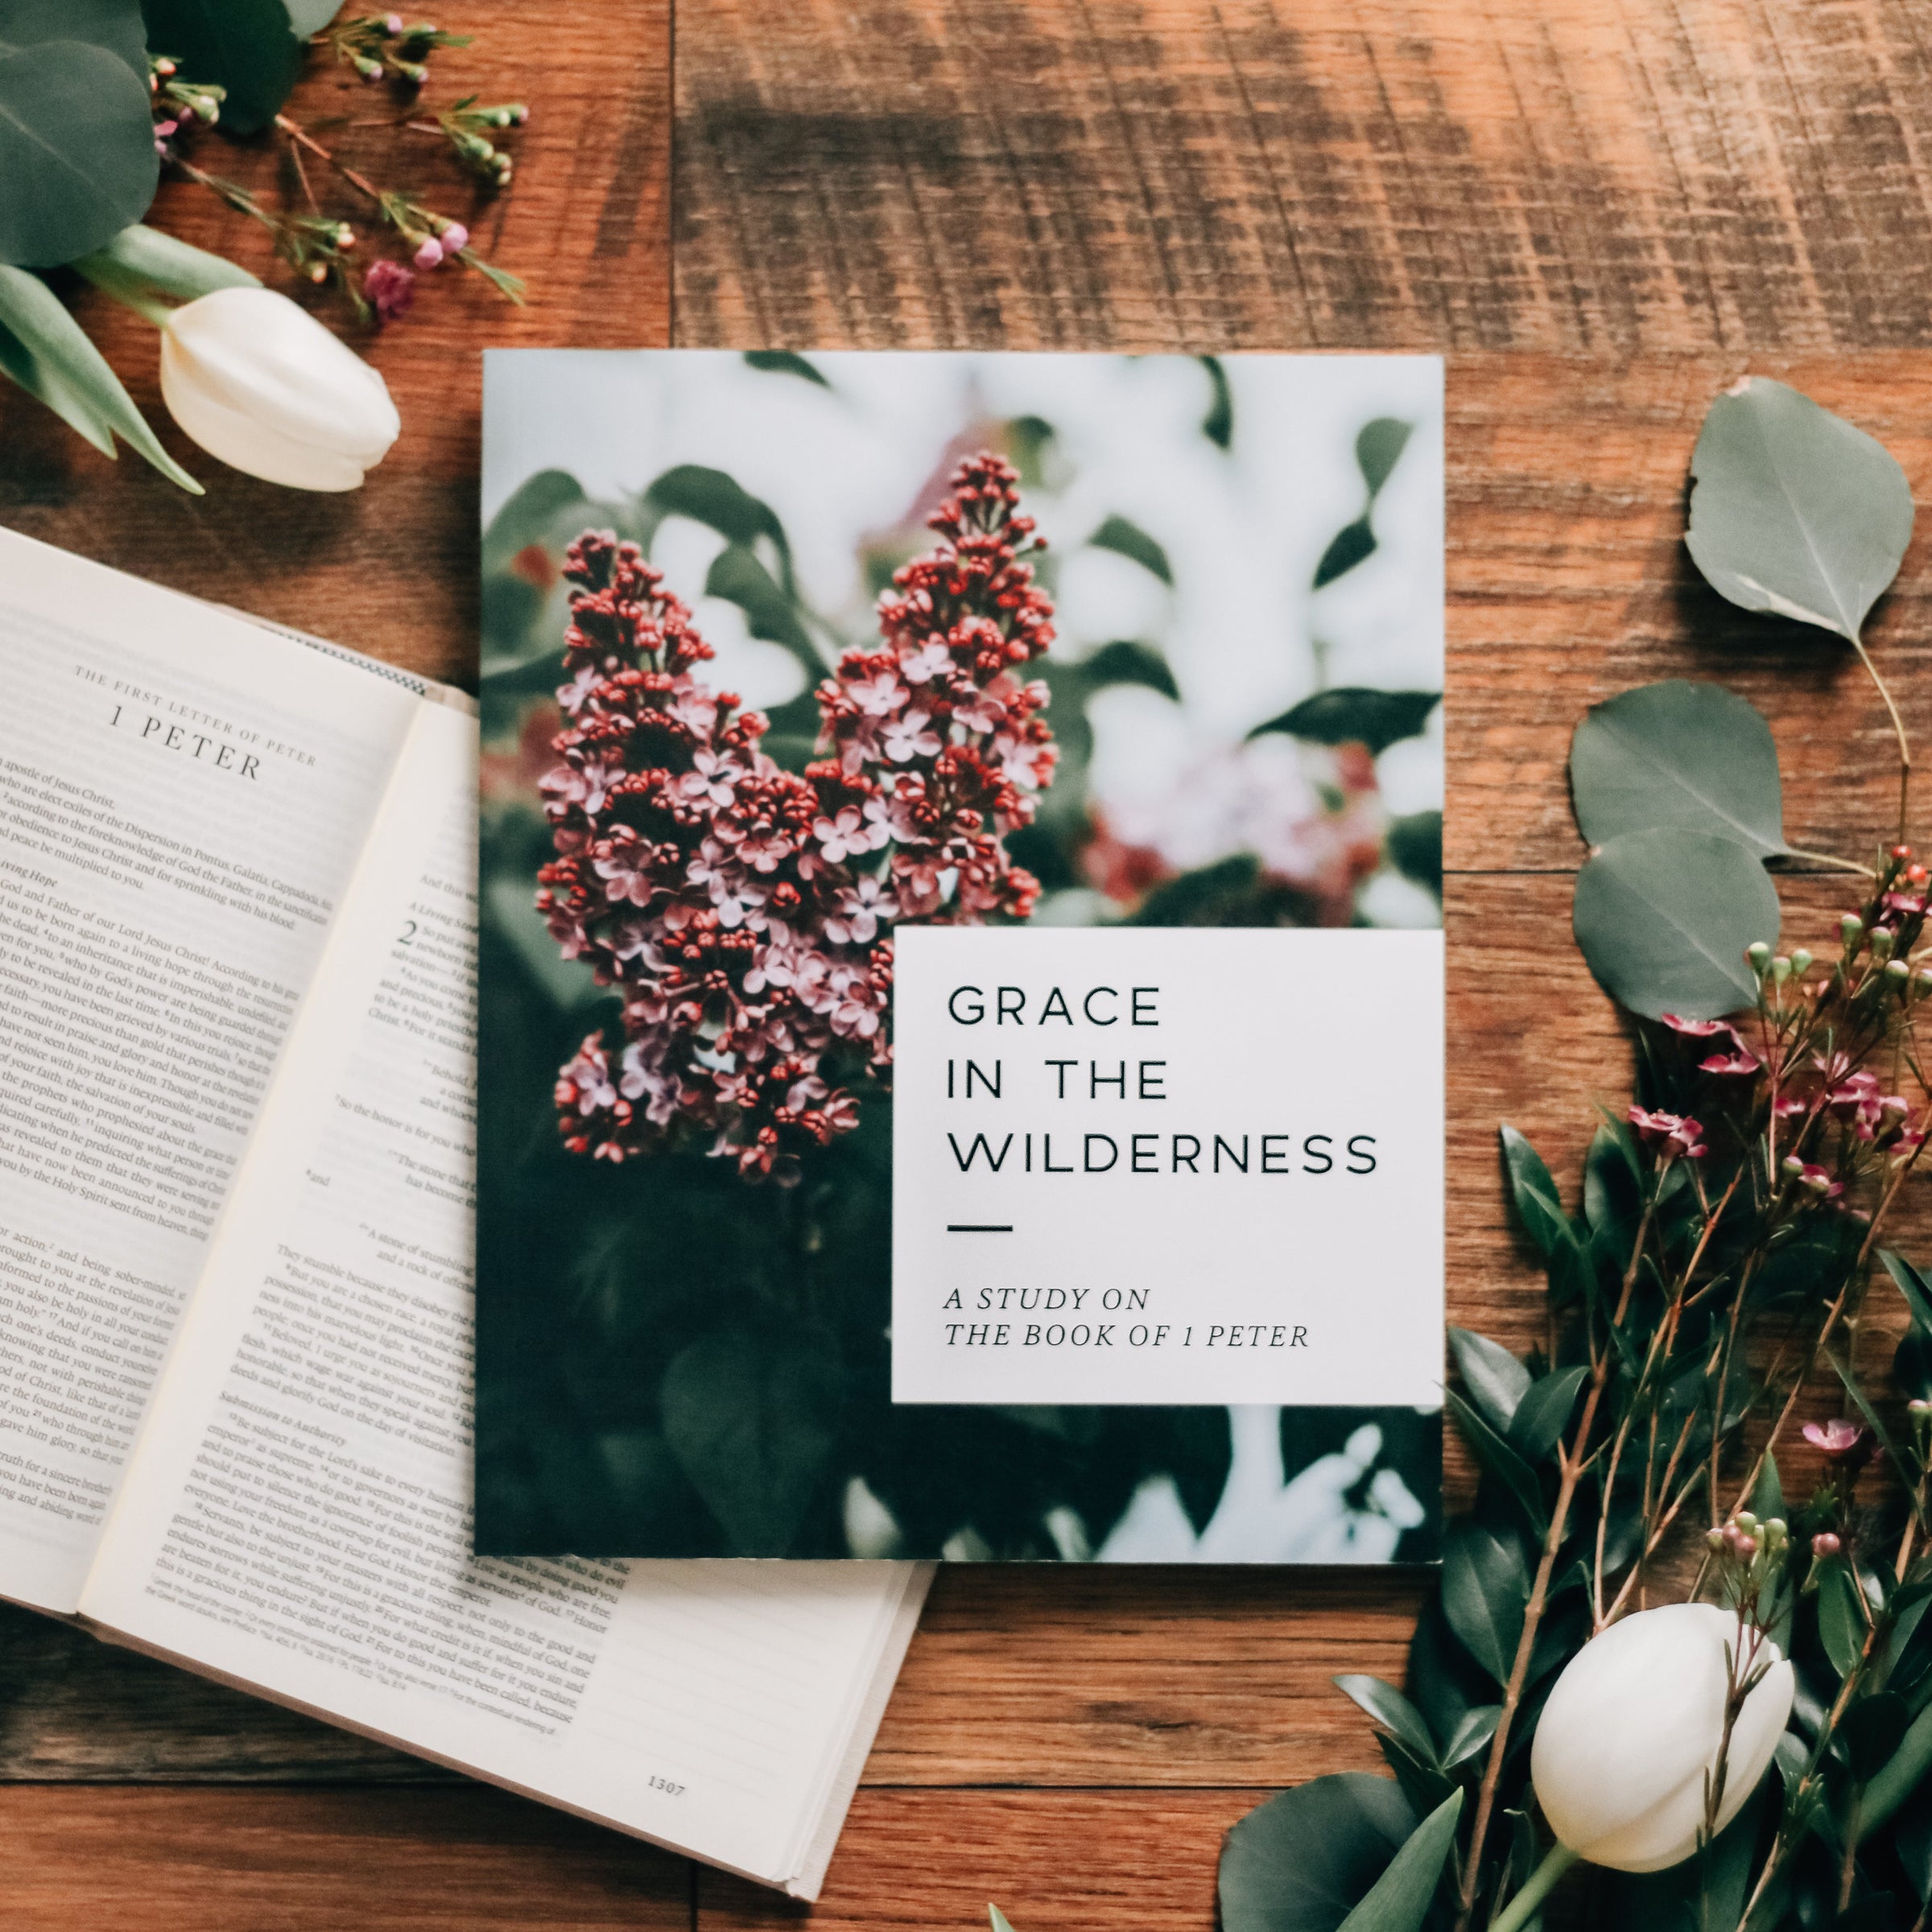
x,y
1399,1899
247,46
306,16
1496,1380
1544,1413
1217,426
1392,1710
1494,1452
711,497
752,1418
1128,540
76,149
529,515
784,362
1485,1587
1415,848
1354,715
737,576
1472,1733
1841,1618
1664,918
1378,449
1125,662
1302,1861
1678,753
48,353
1537,1200
1794,510
1353,544
147,257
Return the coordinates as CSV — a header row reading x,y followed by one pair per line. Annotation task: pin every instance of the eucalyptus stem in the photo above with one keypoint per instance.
x,y
1898,730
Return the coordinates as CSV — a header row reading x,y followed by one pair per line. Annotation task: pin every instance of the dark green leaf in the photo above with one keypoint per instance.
x,y
1125,662
1422,1785
1217,426
1794,510
245,45
1544,1413
1351,715
1912,1285
752,1418
1378,449
1415,848
77,153
1471,1734
1131,541
1873,1421
1910,1762
1392,1710
1873,1729
1302,1861
1841,1618
784,362
737,576
1768,1491
1399,1899
1496,1455
48,353
1496,1380
1678,753
1535,1195
113,24
1914,1838
1664,918
1353,544
150,259
1485,1585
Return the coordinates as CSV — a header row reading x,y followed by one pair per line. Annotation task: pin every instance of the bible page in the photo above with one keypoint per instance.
x,y
182,797
298,1517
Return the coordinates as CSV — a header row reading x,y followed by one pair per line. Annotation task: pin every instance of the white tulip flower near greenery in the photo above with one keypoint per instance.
x,y
1726,1276
261,384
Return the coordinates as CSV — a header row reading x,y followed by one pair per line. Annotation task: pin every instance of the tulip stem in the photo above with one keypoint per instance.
x,y
1522,1908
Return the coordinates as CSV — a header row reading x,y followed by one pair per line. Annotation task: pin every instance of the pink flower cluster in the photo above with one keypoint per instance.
x,y
744,912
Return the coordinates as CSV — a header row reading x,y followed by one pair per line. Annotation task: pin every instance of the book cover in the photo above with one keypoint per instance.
x,y
961,968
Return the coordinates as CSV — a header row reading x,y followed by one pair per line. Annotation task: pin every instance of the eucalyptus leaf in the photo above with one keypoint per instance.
x,y
158,261
306,16
1399,1899
1794,510
1392,1710
49,354
1354,715
1678,753
1128,539
785,362
1485,1587
1496,1380
1302,1861
247,46
998,1920
76,150
1664,918
751,1416
113,24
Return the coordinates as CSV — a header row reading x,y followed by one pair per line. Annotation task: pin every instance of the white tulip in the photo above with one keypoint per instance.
x,y
260,383
1634,1727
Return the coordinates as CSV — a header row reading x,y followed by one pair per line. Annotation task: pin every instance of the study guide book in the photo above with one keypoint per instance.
x,y
961,959
237,1089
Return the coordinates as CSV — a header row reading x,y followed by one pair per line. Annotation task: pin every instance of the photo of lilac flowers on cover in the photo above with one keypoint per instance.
x,y
782,654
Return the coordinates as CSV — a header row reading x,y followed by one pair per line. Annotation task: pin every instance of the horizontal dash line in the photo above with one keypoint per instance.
x,y
977,1227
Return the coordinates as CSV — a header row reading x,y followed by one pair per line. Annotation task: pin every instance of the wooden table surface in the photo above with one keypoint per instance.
x,y
1603,212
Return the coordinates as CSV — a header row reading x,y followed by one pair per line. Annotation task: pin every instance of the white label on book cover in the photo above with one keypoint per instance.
x,y
1171,1166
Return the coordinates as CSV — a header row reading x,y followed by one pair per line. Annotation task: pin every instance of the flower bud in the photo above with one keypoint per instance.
x,y
1851,927
1881,942
1902,852
454,236
1791,1165
1781,970
1635,1727
1758,955
1897,972
1801,962
1825,1543
261,384
430,253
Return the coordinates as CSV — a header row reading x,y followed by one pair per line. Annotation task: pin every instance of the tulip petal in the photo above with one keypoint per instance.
x,y
253,354
250,446
1665,1836
1633,1719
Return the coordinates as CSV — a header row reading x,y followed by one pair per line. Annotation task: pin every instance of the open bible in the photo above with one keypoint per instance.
x,y
236,1080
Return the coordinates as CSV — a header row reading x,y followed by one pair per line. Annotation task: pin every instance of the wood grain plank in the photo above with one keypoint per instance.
x,y
120,1860
391,567
1656,174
